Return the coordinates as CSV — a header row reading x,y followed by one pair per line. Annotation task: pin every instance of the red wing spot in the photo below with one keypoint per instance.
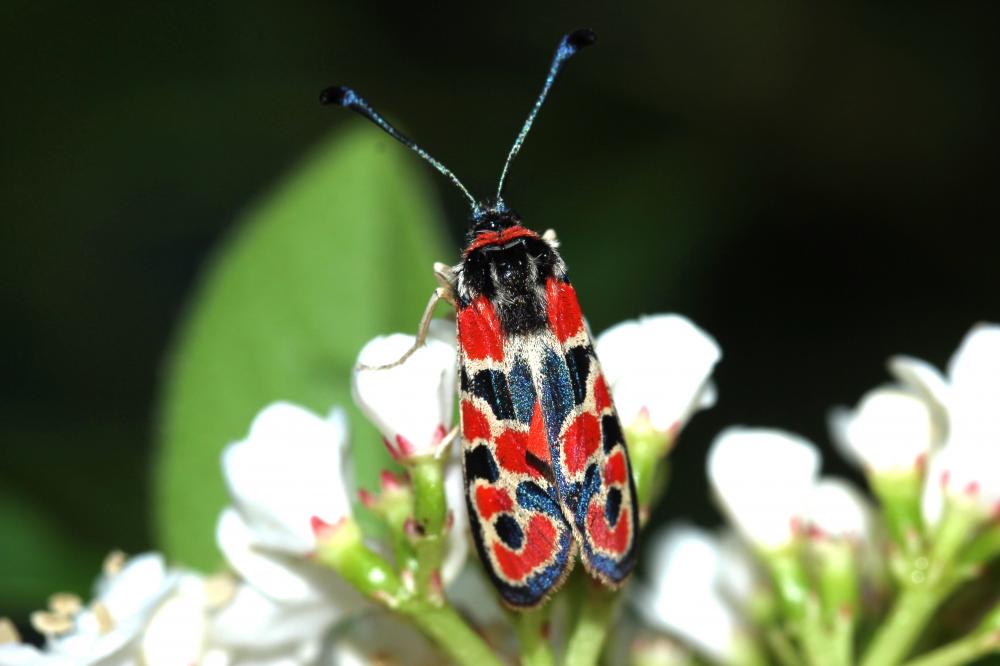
x,y
474,423
614,470
512,447
491,500
538,441
479,331
539,547
601,395
614,540
564,309
581,440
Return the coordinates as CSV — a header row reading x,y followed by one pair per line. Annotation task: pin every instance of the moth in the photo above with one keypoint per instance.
x,y
547,472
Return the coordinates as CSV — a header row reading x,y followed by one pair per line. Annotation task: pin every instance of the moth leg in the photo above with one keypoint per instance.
x,y
425,324
446,441
445,275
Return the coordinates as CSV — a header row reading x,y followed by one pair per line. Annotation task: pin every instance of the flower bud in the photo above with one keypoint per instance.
x,y
411,403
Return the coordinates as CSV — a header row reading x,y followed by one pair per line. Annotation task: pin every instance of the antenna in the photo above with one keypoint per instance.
x,y
347,98
568,47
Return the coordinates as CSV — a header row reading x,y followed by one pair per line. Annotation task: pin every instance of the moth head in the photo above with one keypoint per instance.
x,y
492,216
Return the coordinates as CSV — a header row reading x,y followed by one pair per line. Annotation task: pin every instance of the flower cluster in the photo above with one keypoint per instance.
x,y
809,562
810,569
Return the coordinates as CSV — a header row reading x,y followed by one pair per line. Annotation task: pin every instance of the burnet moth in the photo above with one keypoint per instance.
x,y
547,473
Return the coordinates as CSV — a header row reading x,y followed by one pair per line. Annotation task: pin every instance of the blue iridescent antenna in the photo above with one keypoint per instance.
x,y
568,47
349,99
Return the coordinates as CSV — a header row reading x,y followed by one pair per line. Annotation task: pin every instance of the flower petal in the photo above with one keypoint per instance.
x,y
658,366
682,597
255,622
287,472
974,371
762,478
836,509
890,432
411,403
284,578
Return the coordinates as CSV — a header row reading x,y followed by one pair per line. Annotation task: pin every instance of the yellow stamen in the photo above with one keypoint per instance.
x,y
50,624
114,562
65,604
8,632
105,623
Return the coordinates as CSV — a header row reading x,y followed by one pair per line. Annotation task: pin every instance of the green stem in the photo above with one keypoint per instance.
x,y
962,651
790,581
346,553
591,629
782,648
532,630
430,507
646,448
430,510
900,496
451,633
895,638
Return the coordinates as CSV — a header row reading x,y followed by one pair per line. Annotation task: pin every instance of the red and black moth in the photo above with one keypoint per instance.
x,y
547,472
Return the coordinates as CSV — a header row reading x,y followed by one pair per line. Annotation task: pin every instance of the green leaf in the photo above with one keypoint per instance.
x,y
40,556
341,252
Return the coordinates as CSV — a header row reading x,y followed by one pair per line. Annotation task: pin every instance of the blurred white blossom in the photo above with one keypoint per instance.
x,y
410,403
382,639
458,531
890,432
658,368
22,654
287,478
178,630
762,478
682,597
108,630
967,474
837,510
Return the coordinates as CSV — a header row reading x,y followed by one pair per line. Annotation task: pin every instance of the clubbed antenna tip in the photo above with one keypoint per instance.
x,y
581,38
337,96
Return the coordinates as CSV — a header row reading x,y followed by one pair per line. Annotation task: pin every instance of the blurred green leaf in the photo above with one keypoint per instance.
x,y
39,556
342,251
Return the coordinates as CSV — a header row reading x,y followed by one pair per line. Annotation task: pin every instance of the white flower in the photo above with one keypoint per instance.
x,y
108,630
762,478
458,531
966,474
254,628
837,511
740,578
21,654
177,631
285,600
411,403
382,639
286,479
974,373
682,595
658,368
967,469
890,432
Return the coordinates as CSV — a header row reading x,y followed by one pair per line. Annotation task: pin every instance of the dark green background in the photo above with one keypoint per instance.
x,y
813,184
